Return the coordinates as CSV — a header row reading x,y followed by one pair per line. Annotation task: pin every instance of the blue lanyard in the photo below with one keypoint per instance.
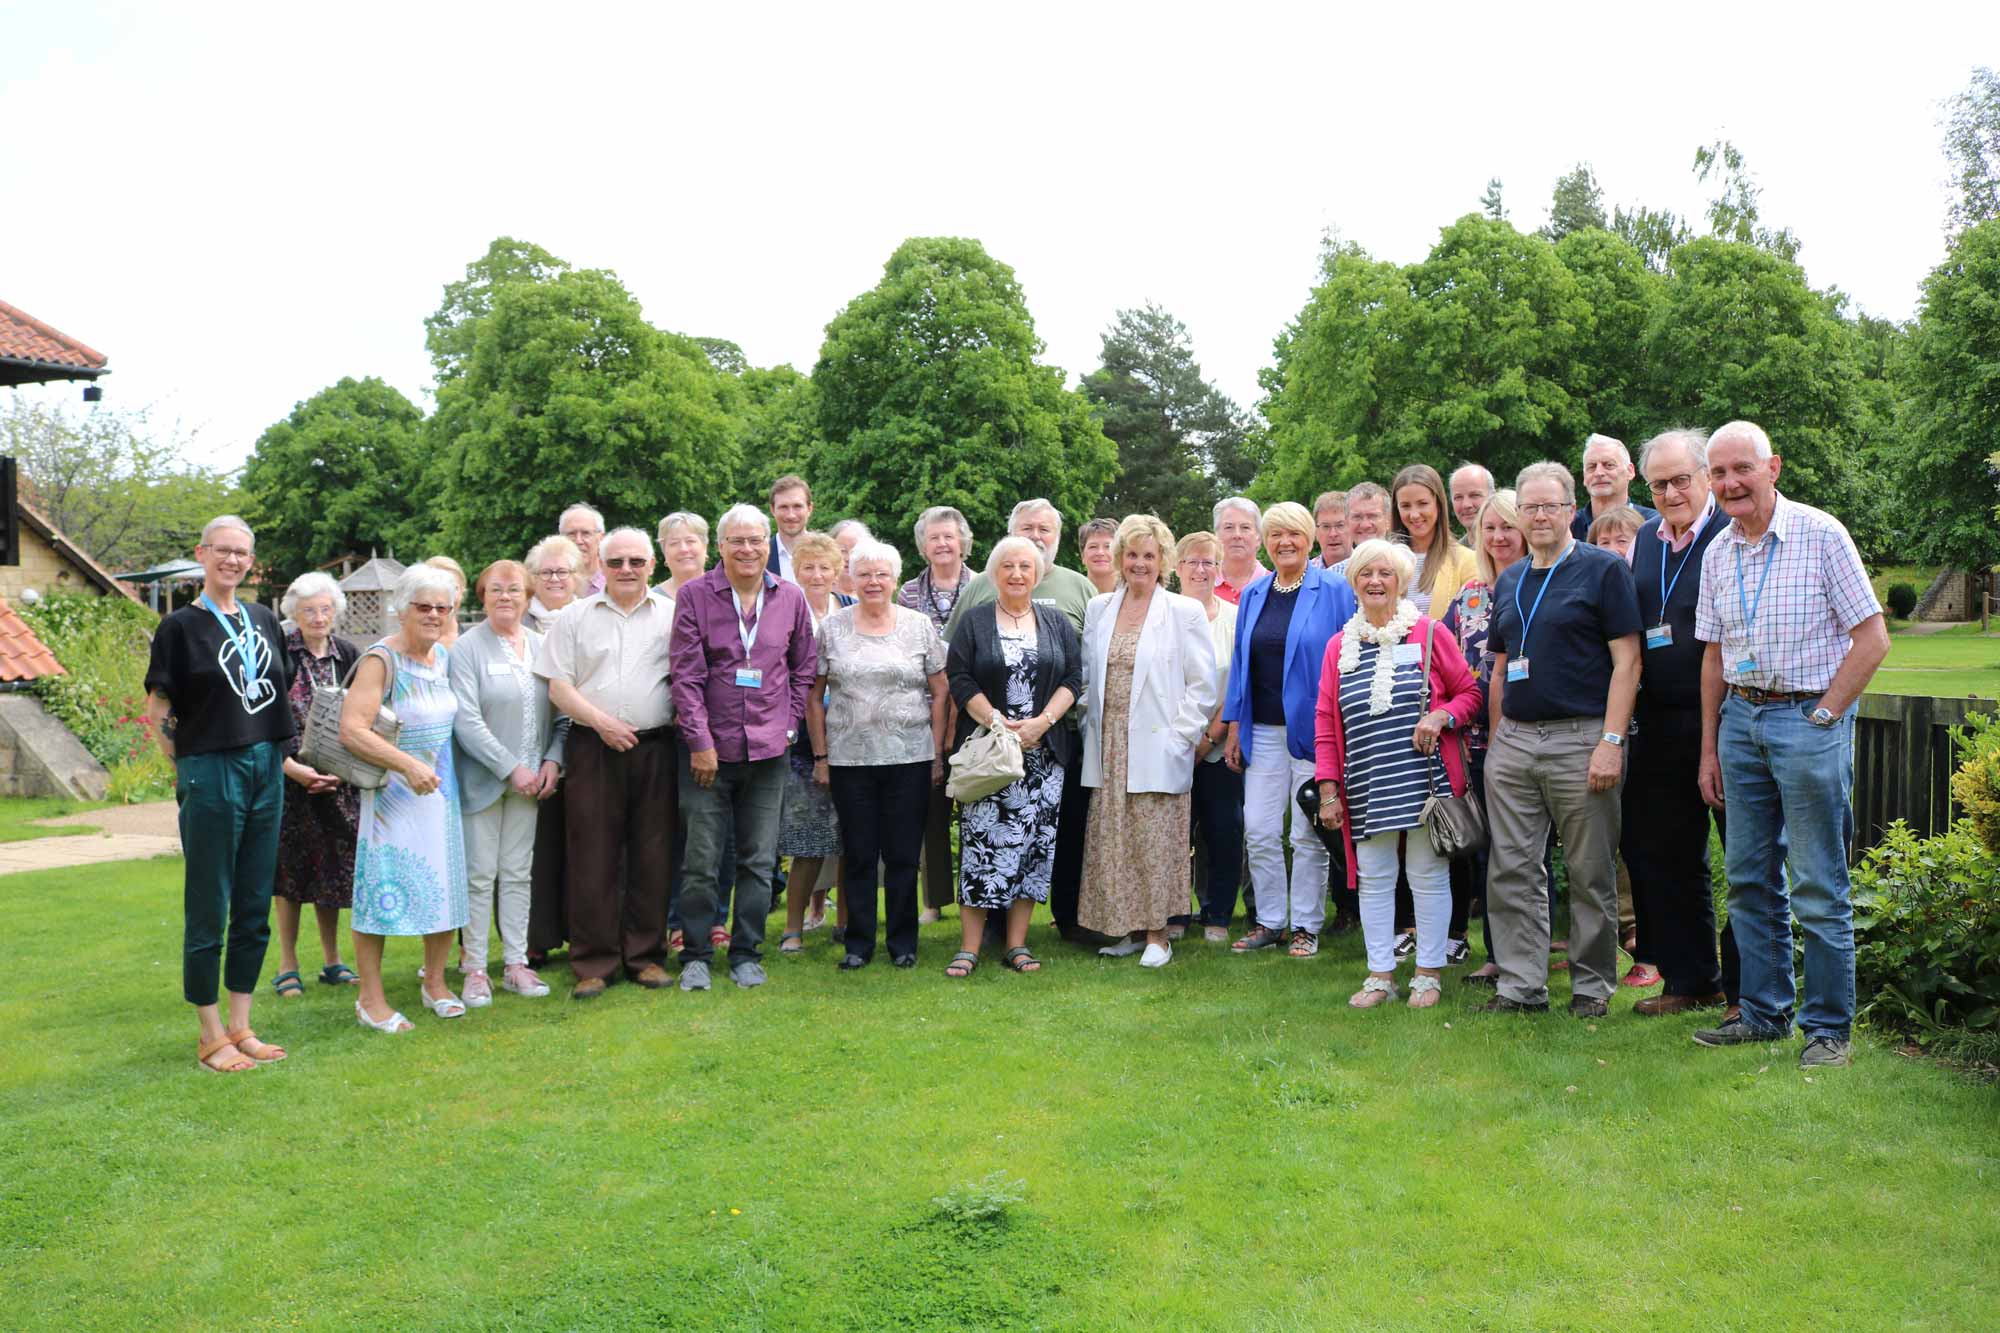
x,y
247,642
1529,618
1749,608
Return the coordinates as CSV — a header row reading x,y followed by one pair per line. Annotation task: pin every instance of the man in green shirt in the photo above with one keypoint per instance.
x,y
1065,589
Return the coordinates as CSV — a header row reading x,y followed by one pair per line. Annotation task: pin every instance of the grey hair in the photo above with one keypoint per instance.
x,y
937,514
1013,543
1243,502
556,545
418,580
681,518
1691,438
308,586
1548,471
1026,507
1743,430
738,514
874,552
846,523
581,508
644,541
1613,441
1471,467
209,528
1368,490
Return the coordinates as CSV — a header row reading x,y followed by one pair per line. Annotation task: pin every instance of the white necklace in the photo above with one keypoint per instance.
x,y
1385,638
1287,589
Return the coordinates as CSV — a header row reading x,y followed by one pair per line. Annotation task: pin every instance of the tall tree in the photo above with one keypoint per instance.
x,y
1490,203
1654,233
931,391
342,473
450,331
1617,382
1733,214
1951,407
778,414
1577,203
1972,146
1180,439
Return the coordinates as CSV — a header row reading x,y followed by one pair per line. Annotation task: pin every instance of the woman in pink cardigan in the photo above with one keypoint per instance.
x,y
1377,758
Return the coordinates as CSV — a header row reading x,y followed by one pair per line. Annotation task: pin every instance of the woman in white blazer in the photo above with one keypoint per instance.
x,y
1149,685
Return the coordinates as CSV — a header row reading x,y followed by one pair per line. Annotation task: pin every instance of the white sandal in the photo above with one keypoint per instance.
x,y
449,1007
1424,985
1365,998
395,1023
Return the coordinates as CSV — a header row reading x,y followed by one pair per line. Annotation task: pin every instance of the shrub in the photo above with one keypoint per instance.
x,y
103,644
1902,600
1927,932
1976,784
981,1202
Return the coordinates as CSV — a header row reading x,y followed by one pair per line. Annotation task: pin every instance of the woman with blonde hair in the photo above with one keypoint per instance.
x,y
1217,791
1420,512
809,827
457,572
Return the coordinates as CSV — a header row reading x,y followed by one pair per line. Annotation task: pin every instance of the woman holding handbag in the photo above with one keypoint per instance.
x,y
1014,663
1391,687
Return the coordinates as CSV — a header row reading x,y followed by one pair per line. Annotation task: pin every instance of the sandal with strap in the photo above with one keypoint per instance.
x,y
263,1052
1424,992
393,1024
288,984
338,974
792,941
1020,960
962,964
1374,991
206,1051
1304,944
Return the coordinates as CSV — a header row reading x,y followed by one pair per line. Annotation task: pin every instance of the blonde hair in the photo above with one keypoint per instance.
x,y
1291,516
1130,529
818,546
1505,504
1395,554
451,567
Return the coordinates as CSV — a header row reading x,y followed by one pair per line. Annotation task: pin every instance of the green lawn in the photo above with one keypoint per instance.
x,y
1222,1144
1954,663
17,814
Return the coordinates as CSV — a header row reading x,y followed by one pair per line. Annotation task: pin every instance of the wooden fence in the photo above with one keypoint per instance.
x,y
1903,762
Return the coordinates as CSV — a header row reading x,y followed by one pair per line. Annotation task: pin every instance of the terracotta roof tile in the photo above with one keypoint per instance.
x,y
25,338
22,655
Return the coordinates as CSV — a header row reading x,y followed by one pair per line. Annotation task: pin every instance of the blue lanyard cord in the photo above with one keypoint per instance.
x,y
1749,607
1529,618
247,641
1667,588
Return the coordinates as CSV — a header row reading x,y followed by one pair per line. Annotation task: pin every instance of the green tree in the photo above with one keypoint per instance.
x,y
1654,233
1180,439
1577,203
778,414
1733,214
1972,146
1490,202
570,394
450,331
931,392
1951,407
343,473
1622,294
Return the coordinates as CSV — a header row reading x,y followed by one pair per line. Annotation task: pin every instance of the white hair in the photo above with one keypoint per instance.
x,y
220,521
1395,555
308,586
1242,502
847,523
419,580
581,508
1471,467
1013,543
937,514
737,515
644,541
1691,438
1547,471
1026,507
870,551
558,545
1738,430
1617,444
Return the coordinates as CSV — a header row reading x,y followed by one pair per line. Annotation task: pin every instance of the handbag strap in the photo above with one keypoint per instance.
x,y
1464,747
388,666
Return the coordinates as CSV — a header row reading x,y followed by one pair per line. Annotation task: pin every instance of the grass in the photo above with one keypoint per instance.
x,y
1220,1144
1917,576
17,814
1952,663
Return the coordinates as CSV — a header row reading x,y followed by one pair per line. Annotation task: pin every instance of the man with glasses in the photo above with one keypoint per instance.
x,y
606,663
585,527
1607,475
1565,645
1237,526
1330,526
1665,838
743,663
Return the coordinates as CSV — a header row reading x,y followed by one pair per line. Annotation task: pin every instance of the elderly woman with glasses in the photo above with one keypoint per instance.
x,y
316,835
1217,805
944,539
409,869
215,691
555,578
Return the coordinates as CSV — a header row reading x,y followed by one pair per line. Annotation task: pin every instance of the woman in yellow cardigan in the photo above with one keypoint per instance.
x,y
1421,515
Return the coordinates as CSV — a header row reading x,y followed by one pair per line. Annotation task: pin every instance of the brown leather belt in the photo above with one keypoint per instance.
x,y
1762,697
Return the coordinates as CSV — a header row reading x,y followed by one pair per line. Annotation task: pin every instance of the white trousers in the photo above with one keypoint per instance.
x,y
1430,893
499,851
1270,783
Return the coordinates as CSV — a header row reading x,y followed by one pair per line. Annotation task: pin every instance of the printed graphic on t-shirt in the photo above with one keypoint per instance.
x,y
251,680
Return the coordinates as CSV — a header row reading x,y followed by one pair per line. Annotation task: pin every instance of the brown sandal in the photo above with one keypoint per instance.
x,y
204,1051
263,1052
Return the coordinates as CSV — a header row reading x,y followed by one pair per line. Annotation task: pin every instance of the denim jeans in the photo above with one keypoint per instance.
x,y
745,797
1787,785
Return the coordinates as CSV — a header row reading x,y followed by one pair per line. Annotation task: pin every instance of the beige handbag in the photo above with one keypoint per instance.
x,y
321,748
989,760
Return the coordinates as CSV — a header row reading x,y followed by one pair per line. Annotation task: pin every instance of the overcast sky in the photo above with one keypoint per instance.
x,y
239,204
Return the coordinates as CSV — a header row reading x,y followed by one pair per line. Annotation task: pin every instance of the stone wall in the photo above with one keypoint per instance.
x,y
1952,596
40,757
43,569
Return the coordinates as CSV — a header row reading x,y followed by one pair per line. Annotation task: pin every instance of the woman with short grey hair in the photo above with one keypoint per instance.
x,y
944,539
555,577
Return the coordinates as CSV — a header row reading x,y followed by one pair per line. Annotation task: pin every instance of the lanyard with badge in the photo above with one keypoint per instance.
x,y
1662,634
1517,667
747,676
1749,605
249,647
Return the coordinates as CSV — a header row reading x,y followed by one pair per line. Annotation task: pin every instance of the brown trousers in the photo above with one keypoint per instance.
x,y
621,813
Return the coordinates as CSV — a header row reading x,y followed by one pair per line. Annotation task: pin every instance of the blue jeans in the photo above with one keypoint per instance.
x,y
745,797
1787,786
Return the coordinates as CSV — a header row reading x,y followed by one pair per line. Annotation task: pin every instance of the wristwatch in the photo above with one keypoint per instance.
x,y
1823,717
1612,738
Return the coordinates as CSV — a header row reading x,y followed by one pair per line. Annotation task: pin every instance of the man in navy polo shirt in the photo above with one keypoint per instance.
x,y
1565,645
1665,839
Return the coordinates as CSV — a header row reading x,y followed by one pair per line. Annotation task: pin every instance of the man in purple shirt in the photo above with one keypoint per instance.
x,y
743,659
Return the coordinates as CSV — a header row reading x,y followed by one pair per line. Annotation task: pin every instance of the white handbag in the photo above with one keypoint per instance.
x,y
989,760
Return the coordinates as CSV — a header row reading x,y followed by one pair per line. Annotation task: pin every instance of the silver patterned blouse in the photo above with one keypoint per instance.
x,y
879,706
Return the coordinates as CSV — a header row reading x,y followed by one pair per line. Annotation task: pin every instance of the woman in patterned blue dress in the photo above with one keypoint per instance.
x,y
409,864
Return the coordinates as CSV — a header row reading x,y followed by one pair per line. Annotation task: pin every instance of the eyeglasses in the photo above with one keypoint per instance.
x,y
431,608
1680,483
626,561
1199,564
578,534
744,543
552,575
229,553
1528,510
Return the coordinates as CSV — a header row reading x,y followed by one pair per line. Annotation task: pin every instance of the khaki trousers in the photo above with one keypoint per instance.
x,y
1537,774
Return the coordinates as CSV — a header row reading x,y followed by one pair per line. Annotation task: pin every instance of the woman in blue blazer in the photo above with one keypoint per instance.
x,y
1283,623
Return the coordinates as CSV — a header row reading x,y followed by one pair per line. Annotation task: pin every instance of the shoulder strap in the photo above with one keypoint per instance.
x,y
388,668
1430,635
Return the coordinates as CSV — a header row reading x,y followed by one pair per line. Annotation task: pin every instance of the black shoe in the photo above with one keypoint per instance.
x,y
1343,924
906,960
1500,1004
1457,953
853,962
1480,979
1586,1006
1736,1032
1405,945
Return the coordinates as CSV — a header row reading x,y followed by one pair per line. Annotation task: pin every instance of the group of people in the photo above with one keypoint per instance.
x,y
620,767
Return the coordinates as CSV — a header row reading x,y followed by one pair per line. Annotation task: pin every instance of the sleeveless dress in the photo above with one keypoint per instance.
x,y
409,864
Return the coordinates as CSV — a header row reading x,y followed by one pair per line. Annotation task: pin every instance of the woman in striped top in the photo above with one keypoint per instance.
x,y
1378,760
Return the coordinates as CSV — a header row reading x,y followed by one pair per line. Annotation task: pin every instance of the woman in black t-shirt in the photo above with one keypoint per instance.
x,y
216,694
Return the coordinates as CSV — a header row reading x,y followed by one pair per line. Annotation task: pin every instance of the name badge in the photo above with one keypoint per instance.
x,y
1747,666
1517,669
750,678
499,669
1660,636
1408,654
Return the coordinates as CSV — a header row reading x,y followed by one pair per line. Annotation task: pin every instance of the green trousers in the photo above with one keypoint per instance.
x,y
230,801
